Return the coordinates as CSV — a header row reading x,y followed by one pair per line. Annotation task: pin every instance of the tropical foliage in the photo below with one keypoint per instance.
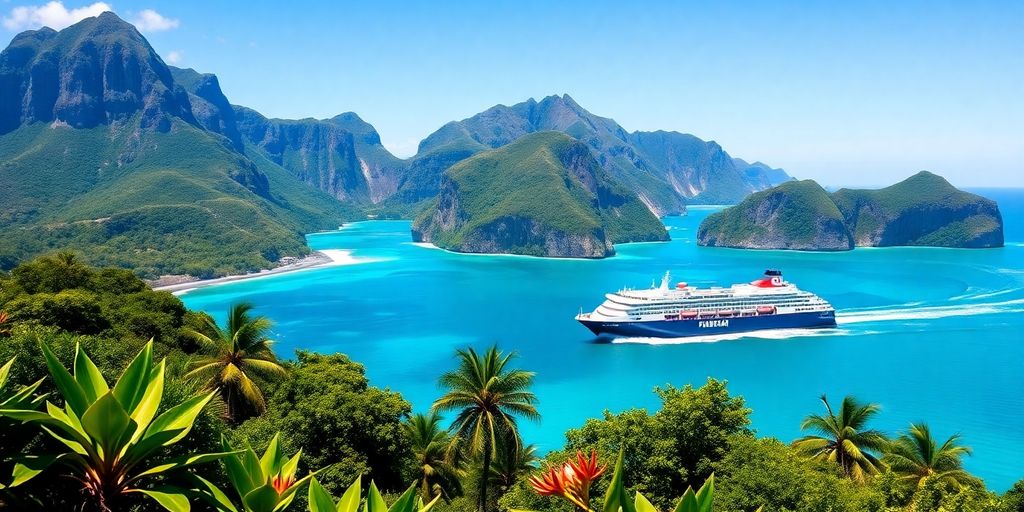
x,y
240,355
321,501
487,395
435,473
918,458
112,437
844,438
264,483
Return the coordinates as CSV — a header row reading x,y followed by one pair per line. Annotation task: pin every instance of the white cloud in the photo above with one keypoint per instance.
x,y
174,56
52,14
149,20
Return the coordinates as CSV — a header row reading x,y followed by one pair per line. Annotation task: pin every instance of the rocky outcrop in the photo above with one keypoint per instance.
x,y
210,106
797,215
543,195
99,71
923,210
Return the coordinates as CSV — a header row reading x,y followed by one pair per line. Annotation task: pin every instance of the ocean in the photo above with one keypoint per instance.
x,y
934,335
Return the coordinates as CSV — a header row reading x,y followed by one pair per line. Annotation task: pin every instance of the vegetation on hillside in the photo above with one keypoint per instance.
x,y
78,338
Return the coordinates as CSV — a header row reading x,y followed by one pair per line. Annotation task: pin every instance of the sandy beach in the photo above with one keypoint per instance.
x,y
317,259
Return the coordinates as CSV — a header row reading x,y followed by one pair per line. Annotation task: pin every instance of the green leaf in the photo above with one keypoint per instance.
x,y
212,494
108,424
177,420
643,504
69,388
374,501
688,503
241,480
406,502
288,494
132,384
706,494
291,466
319,499
269,462
350,500
428,506
261,499
5,370
182,462
28,466
615,498
88,376
169,498
150,401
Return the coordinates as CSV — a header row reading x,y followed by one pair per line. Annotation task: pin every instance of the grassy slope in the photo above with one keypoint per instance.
x,y
528,179
170,207
801,205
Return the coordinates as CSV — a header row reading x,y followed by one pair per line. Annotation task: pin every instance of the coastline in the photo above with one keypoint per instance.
x,y
316,259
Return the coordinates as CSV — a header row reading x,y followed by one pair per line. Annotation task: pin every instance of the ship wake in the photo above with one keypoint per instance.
x,y
928,312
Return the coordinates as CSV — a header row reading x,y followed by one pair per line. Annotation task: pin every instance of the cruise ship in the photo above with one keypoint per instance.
x,y
671,312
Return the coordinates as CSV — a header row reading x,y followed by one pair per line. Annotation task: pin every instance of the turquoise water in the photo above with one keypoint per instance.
x,y
932,334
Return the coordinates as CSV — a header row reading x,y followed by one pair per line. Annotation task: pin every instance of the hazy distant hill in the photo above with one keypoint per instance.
x,y
921,210
102,150
543,194
666,170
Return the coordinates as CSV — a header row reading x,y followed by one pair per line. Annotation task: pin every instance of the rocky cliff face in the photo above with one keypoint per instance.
x,y
924,210
99,71
542,195
798,215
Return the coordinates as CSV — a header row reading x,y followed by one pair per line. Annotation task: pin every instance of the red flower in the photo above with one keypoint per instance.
x,y
281,483
571,480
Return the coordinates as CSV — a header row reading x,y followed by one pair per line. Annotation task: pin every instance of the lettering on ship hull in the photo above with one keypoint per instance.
x,y
704,324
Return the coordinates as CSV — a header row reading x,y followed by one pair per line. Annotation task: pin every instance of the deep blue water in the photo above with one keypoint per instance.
x,y
932,335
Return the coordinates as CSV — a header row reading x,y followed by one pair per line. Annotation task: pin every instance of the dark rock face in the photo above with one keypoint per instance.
x,y
317,152
210,107
99,71
381,170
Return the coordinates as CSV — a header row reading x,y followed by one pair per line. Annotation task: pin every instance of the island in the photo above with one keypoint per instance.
x,y
923,210
542,195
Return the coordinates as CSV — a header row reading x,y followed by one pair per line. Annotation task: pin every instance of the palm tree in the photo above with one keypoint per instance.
x,y
238,353
844,439
436,476
918,458
487,396
511,463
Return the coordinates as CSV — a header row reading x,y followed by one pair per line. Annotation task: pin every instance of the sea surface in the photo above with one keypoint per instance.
x,y
933,335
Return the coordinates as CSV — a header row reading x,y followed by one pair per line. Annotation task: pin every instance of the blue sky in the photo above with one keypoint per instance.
x,y
847,94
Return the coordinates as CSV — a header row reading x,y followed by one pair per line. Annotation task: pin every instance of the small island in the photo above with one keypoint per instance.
x,y
923,210
542,195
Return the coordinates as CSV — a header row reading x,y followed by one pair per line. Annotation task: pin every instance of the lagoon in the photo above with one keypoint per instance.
x,y
931,334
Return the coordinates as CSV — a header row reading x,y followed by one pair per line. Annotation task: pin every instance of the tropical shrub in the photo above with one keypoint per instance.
x,y
844,438
321,501
264,483
113,437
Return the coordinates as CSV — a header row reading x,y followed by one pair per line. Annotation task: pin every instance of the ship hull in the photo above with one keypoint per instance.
x,y
710,326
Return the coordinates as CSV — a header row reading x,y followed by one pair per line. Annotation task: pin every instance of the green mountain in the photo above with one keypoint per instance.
x,y
103,151
923,210
543,194
796,215
666,170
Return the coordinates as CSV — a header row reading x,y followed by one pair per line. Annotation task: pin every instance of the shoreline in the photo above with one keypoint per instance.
x,y
316,259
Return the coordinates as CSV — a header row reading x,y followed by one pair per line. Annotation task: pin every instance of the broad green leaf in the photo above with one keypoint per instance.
x,y
173,500
615,498
5,370
24,398
178,419
28,466
182,462
212,494
88,376
350,500
289,493
261,499
73,393
150,401
428,506
241,480
291,466
706,494
374,501
688,503
270,461
108,424
643,504
319,499
251,464
406,502
132,384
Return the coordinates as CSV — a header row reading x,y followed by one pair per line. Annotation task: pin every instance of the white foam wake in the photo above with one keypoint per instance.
x,y
929,312
769,334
